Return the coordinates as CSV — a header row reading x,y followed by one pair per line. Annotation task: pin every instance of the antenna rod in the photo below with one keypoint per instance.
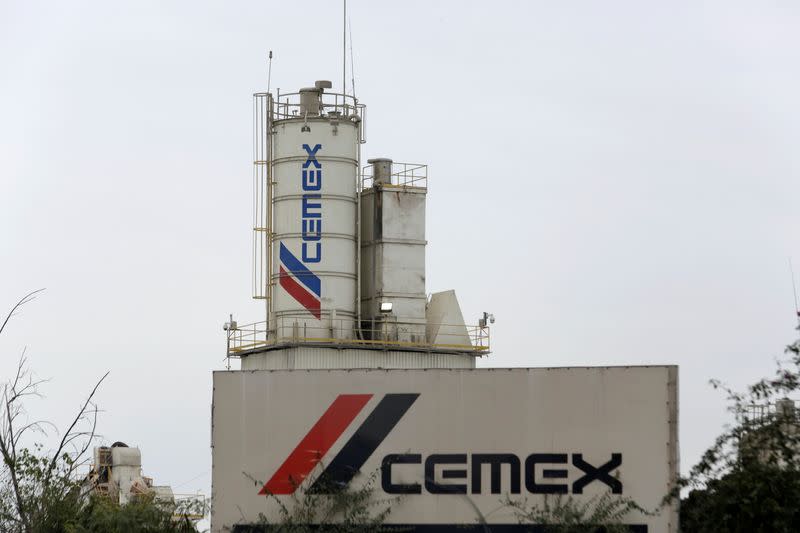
x,y
344,49
794,291
352,68
269,72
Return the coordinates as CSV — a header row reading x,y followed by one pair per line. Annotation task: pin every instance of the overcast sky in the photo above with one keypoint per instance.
x,y
618,182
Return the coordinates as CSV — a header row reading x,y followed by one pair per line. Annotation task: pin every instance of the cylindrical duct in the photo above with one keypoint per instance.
x,y
309,101
381,170
315,169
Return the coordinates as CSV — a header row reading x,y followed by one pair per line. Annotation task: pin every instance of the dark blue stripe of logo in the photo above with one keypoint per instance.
x,y
364,441
303,274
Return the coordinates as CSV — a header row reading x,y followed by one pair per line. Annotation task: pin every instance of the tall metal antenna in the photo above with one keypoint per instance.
x,y
344,49
352,68
269,71
794,291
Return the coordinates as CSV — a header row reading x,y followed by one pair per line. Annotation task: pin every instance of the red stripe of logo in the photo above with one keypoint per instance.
x,y
316,444
299,293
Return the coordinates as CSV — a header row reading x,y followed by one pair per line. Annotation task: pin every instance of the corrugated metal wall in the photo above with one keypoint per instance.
x,y
317,357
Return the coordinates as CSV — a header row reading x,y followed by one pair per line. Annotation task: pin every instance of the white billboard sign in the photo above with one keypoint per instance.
x,y
450,445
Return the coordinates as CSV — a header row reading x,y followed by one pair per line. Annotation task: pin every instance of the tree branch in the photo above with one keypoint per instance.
x,y
69,436
25,299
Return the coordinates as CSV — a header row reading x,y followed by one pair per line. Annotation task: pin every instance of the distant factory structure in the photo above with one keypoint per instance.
x,y
116,473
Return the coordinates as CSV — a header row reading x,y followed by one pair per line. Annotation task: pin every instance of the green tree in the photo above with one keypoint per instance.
x,y
749,479
41,490
144,515
605,513
37,489
335,509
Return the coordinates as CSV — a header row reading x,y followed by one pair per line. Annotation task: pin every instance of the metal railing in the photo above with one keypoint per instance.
x,y
785,408
191,506
403,175
340,332
332,106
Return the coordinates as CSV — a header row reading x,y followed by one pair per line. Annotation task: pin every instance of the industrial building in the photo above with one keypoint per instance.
x,y
339,250
116,473
355,371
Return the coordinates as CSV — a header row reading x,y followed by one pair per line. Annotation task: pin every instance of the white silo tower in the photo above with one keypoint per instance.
x,y
307,164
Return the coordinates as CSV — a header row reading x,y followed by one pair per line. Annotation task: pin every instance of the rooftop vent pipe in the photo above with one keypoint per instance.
x,y
381,171
311,98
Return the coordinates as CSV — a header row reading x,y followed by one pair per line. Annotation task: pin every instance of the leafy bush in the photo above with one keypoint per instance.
x,y
333,509
559,514
749,479
144,515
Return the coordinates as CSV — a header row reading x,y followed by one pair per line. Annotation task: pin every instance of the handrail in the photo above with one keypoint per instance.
x,y
759,413
287,106
391,334
403,175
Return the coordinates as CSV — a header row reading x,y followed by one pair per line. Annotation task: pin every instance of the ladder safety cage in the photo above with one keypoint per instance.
x,y
262,195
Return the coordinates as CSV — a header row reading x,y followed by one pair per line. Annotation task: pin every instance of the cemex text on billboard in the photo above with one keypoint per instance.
x,y
452,443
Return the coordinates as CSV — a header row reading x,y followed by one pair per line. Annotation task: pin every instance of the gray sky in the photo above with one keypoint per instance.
x,y
616,181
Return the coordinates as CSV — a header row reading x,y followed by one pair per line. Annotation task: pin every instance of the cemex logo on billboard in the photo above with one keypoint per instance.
x,y
437,473
313,447
293,270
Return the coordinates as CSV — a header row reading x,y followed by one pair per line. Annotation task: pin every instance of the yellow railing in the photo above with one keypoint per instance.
x,y
341,332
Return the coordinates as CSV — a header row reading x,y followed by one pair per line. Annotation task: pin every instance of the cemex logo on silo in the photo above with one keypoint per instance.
x,y
444,466
293,269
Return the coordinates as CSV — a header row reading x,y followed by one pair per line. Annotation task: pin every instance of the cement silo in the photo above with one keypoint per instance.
x,y
312,156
